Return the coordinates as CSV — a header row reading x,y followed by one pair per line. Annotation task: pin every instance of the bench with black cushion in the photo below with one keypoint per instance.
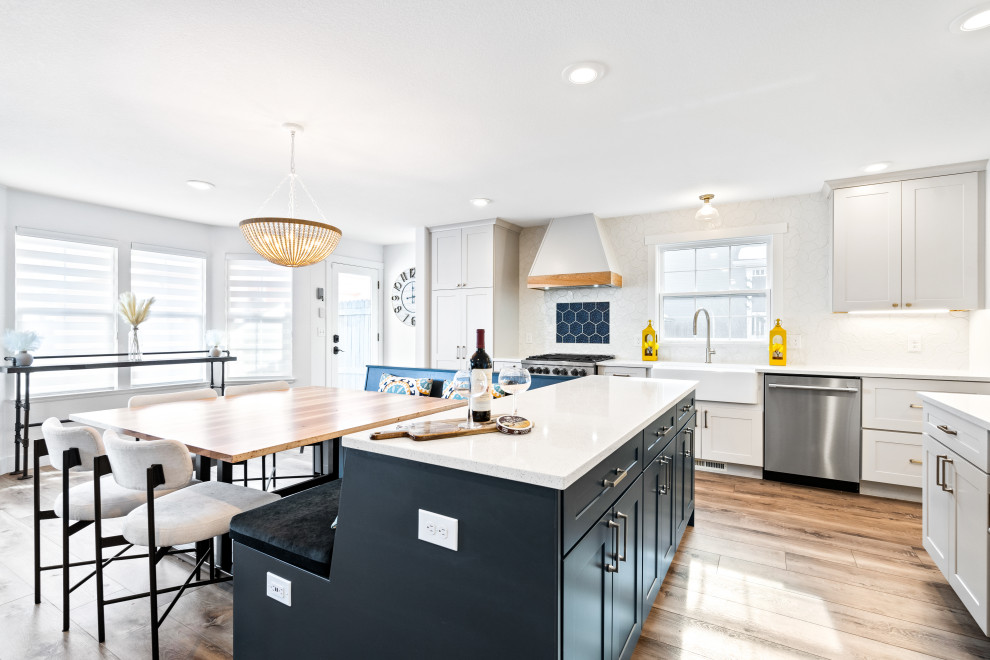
x,y
296,529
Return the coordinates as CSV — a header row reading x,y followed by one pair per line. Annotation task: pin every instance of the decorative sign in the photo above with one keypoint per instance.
x,y
404,296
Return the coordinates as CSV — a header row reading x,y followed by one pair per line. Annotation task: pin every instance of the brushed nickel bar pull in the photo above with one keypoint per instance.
x,y
660,433
687,452
706,419
915,405
812,387
612,484
945,486
620,375
663,487
915,461
614,568
625,534
945,429
938,470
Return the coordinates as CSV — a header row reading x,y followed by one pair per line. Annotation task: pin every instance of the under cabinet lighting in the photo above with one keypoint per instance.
x,y
904,311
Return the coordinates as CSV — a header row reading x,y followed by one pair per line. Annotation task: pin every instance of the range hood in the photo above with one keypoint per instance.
x,y
574,253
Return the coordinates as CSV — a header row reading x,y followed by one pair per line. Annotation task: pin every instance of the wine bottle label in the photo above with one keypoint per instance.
x,y
483,402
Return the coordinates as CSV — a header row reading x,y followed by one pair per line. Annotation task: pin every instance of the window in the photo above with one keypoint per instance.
x,y
259,318
176,323
66,291
730,278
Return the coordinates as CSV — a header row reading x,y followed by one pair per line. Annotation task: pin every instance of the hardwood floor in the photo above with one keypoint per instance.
x,y
769,571
778,571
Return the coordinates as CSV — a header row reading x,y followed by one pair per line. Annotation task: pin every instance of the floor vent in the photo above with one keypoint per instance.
x,y
709,465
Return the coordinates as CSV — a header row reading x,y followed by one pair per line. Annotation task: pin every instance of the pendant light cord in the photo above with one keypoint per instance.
x,y
293,178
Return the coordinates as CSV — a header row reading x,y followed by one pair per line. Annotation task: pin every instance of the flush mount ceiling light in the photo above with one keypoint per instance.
x,y
872,168
583,73
200,185
707,212
975,19
481,201
291,241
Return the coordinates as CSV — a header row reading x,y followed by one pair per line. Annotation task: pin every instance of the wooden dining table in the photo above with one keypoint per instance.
x,y
228,430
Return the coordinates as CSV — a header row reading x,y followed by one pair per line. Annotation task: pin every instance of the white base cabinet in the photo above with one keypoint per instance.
x,y
731,433
956,516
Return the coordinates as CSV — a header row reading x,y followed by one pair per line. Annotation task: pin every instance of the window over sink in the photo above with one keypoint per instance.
x,y
730,277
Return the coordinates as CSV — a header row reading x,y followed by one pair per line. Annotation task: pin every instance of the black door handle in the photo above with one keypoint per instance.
x,y
336,349
336,339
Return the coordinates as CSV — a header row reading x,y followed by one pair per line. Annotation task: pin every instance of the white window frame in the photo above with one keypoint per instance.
x,y
288,373
70,238
772,234
179,252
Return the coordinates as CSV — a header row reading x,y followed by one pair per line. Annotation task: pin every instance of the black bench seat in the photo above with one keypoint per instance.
x,y
296,529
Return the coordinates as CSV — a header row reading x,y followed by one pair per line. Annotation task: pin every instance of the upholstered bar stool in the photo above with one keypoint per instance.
x,y
186,516
188,395
78,449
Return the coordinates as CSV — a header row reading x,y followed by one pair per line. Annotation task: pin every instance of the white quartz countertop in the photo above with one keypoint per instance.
x,y
628,363
972,407
831,370
577,423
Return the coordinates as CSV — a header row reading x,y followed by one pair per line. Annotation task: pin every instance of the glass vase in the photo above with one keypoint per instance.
x,y
133,345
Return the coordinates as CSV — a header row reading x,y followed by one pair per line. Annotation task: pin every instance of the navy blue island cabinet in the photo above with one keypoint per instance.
x,y
559,555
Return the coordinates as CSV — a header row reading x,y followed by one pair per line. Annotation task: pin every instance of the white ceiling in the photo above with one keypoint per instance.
x,y
412,108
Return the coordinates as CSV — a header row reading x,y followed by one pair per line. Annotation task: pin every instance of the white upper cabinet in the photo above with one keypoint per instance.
x,y
939,269
907,245
866,248
463,258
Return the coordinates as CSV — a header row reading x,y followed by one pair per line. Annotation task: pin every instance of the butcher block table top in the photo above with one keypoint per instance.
x,y
234,429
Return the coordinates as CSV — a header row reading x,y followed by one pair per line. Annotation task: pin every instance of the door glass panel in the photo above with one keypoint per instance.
x,y
355,328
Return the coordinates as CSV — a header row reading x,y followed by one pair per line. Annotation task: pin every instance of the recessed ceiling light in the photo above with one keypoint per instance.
x,y
877,167
200,185
975,19
583,73
481,201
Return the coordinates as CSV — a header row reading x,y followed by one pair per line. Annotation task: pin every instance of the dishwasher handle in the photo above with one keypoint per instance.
x,y
816,388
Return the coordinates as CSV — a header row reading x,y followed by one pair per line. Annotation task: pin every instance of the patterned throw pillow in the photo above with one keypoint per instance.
x,y
449,393
403,385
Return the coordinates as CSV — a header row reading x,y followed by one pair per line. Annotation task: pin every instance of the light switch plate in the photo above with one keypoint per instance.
x,y
914,344
437,529
795,342
280,589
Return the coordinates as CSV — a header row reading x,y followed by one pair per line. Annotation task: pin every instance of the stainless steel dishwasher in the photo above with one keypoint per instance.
x,y
812,431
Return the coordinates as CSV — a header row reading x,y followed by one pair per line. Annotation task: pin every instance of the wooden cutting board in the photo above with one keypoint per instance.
x,y
433,430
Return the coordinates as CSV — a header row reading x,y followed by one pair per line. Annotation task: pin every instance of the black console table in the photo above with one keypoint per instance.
x,y
22,392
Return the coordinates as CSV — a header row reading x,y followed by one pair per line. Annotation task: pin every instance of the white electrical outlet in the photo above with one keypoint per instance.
x,y
529,337
795,342
279,589
914,344
441,530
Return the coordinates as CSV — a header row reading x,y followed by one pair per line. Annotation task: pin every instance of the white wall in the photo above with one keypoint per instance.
x,y
827,338
400,339
25,209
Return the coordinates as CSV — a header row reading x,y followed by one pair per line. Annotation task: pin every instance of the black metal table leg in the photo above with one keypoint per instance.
x,y
223,377
225,548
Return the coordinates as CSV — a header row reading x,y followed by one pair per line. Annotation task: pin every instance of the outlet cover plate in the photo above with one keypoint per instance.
x,y
437,529
914,344
280,589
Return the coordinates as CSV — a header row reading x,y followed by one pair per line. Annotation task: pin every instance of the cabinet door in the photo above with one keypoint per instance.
x,y
478,257
937,504
866,247
477,314
668,524
627,582
448,345
968,538
684,497
940,225
654,483
731,434
446,259
588,594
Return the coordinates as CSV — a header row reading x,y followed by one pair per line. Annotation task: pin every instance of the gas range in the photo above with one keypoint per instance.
x,y
564,364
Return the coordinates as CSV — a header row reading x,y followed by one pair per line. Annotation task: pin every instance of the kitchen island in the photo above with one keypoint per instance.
x,y
551,544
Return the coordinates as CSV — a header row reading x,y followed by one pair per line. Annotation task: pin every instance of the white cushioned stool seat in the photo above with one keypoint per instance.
x,y
192,514
117,500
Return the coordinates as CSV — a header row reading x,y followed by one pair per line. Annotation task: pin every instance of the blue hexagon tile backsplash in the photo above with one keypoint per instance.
x,y
583,323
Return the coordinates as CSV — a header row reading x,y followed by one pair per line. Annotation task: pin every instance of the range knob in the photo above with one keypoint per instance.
x,y
574,372
582,372
546,370
556,371
531,370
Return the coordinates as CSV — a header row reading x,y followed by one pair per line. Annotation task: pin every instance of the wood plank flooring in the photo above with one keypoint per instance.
x,y
779,571
770,571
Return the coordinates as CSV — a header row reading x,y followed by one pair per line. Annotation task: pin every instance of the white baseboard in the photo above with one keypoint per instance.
x,y
890,491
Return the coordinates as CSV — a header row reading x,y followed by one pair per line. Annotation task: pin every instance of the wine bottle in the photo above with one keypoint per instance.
x,y
481,382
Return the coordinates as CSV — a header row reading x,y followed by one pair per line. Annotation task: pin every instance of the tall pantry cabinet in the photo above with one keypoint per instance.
x,y
474,279
909,244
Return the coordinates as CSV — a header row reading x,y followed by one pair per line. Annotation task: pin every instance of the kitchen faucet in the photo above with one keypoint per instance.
x,y
708,336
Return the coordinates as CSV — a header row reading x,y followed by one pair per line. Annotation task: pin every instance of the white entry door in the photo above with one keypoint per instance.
x,y
354,328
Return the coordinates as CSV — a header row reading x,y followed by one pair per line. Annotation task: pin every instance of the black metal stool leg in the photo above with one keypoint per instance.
x,y
65,545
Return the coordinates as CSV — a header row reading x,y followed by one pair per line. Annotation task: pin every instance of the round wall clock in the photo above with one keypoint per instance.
x,y
404,296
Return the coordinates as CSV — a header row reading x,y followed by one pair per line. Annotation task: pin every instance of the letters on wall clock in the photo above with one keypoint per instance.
x,y
404,296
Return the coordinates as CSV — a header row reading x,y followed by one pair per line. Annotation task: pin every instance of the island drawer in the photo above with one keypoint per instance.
x,y
657,434
685,410
958,434
595,492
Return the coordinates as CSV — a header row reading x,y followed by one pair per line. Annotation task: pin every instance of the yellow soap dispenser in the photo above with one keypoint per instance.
x,y
778,346
650,342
